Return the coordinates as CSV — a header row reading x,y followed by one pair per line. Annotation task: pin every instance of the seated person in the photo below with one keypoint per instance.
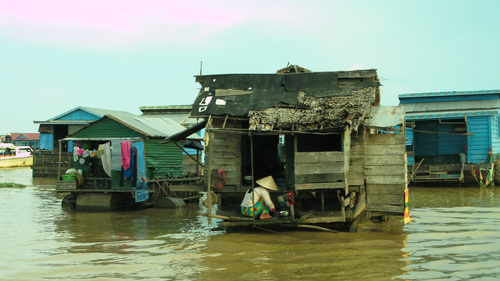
x,y
259,201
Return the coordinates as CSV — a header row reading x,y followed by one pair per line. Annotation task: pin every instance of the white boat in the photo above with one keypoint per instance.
x,y
15,156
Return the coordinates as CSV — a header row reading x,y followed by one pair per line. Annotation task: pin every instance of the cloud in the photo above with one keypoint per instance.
x,y
97,23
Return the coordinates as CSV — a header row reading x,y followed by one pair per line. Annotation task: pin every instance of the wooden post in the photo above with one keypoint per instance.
x,y
209,191
295,149
253,175
59,162
198,161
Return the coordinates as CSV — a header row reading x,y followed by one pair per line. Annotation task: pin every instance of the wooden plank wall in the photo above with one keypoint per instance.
x,y
386,172
226,155
356,173
189,166
46,163
319,170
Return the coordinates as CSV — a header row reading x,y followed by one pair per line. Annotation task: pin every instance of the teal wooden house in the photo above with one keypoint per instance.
x,y
67,123
100,150
450,133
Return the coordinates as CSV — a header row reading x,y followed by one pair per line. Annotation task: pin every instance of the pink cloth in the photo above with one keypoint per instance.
x,y
126,155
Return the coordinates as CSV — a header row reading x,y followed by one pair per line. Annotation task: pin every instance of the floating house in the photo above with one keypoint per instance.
x,y
451,134
67,123
180,114
318,134
116,157
46,156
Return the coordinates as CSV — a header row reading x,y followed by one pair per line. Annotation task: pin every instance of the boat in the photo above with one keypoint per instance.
x,y
15,156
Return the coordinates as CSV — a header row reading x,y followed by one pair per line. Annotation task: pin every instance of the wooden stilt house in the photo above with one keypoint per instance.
x,y
319,134
106,179
452,135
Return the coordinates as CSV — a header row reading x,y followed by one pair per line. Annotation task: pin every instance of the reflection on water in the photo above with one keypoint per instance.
x,y
453,237
304,256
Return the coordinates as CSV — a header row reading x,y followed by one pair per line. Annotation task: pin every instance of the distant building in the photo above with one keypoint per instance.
x,y
26,139
23,139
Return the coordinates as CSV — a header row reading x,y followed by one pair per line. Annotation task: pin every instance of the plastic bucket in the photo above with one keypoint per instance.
x,y
68,177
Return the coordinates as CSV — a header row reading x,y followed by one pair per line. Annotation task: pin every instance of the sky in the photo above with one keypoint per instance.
x,y
56,55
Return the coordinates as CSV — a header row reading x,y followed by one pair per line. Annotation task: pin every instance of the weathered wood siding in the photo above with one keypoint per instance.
x,y
386,172
479,140
356,173
495,133
46,163
190,166
319,170
226,155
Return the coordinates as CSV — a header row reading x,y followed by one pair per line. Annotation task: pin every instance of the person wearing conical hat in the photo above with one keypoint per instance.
x,y
258,203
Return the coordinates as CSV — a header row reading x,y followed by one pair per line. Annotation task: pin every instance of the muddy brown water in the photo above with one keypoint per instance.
x,y
454,235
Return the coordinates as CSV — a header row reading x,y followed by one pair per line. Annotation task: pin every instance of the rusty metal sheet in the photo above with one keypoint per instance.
x,y
386,116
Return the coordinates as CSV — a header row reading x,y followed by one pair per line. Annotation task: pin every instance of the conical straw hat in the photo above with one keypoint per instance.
x,y
267,182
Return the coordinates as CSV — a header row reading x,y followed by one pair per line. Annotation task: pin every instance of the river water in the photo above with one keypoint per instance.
x,y
454,235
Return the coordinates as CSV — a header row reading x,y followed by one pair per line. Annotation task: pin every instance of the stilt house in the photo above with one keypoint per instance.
x,y
451,133
46,155
101,148
317,133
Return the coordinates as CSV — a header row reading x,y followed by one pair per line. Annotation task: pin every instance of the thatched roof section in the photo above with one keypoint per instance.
x,y
314,113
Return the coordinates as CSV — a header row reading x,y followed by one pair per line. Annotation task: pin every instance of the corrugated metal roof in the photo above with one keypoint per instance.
x,y
449,93
448,114
452,106
165,126
99,112
187,132
64,122
168,107
150,126
101,139
386,116
180,118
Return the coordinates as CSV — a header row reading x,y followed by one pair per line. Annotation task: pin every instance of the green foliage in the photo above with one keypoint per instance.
x,y
11,184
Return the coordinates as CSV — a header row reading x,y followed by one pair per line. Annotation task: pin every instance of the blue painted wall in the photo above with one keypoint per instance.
x,y
495,133
46,141
434,138
79,115
451,143
479,140
409,145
